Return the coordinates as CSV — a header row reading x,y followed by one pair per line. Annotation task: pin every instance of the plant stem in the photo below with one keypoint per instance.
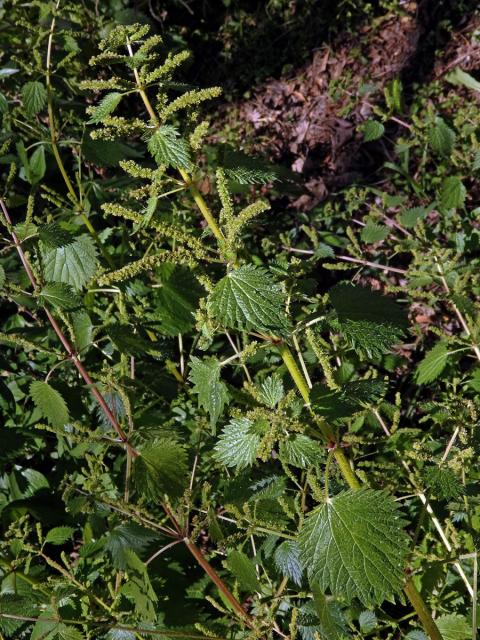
x,y
421,610
353,482
290,363
197,196
63,339
212,574
54,146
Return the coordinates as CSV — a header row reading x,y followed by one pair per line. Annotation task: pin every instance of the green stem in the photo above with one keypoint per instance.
x,y
421,610
290,363
353,482
204,208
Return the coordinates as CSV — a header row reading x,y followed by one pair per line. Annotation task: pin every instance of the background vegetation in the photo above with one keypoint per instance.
x,y
240,357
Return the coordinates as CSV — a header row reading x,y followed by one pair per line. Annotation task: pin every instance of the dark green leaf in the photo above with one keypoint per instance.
x,y
372,130
248,299
161,468
442,138
59,535
212,391
34,97
169,149
244,571
355,546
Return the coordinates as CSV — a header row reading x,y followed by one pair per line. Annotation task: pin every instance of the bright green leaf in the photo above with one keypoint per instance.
x,y
74,264
248,299
452,194
300,451
432,364
355,546
373,232
212,391
168,148
59,535
368,621
50,403
441,138
454,627
459,77
161,468
105,107
59,294
287,561
372,130
237,446
34,97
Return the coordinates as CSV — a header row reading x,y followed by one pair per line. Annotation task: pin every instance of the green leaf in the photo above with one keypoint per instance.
x,y
246,170
459,77
410,217
373,232
287,561
441,138
332,624
369,339
355,546
82,330
161,468
352,302
300,451
59,294
352,397
432,364
53,236
177,300
34,97
367,621
105,107
244,571
454,627
212,391
372,130
128,536
107,153
476,162
452,194
59,535
50,403
74,264
443,482
237,446
2,277
271,391
248,299
3,104
169,149
37,164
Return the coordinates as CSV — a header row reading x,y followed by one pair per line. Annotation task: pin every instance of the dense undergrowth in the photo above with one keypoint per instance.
x,y
235,404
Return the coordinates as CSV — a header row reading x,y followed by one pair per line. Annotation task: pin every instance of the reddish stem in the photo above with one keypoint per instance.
x,y
63,339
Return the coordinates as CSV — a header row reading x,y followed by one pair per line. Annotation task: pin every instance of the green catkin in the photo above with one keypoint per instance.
x,y
164,71
198,134
189,99
322,358
252,211
131,270
166,230
226,213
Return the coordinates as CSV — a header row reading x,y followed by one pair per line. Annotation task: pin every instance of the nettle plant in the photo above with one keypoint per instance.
x,y
182,416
